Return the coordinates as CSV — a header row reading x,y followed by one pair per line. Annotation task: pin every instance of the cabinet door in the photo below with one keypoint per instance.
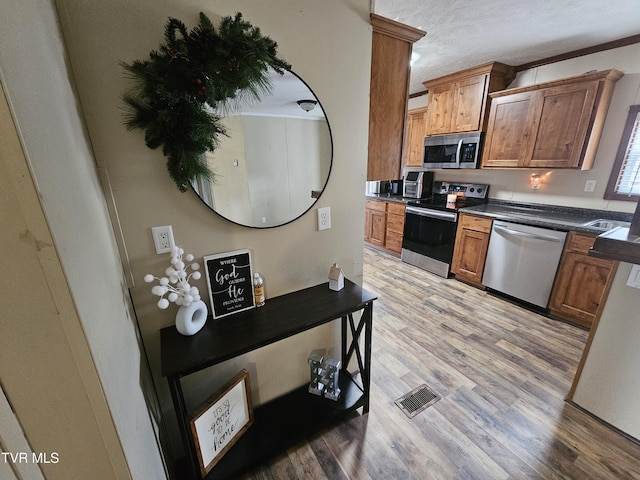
x,y
563,117
468,102
581,288
507,143
416,130
470,250
470,253
440,109
582,283
378,227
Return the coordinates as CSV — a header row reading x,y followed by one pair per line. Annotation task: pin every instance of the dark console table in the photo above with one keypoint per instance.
x,y
282,422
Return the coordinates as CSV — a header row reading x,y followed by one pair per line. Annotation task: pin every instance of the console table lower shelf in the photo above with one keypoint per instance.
x,y
281,424
289,419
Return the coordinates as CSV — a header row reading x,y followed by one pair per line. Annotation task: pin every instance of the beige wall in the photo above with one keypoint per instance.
x,y
566,187
608,386
101,34
70,362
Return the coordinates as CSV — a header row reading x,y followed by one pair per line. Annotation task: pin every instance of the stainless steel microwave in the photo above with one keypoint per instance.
x,y
456,150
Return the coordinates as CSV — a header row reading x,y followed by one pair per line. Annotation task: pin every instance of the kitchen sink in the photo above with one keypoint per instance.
x,y
604,224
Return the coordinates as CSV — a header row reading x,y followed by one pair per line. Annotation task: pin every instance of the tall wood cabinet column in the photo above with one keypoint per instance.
x,y
392,44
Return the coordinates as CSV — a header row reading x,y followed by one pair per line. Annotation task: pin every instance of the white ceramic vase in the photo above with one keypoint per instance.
x,y
190,319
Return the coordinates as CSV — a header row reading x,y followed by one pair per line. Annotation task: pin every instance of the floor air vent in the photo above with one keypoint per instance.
x,y
417,400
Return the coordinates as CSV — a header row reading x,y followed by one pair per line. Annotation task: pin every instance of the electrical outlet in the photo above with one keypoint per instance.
x,y
162,239
324,218
590,186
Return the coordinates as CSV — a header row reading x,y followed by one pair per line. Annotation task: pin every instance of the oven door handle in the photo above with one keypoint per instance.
x,y
448,216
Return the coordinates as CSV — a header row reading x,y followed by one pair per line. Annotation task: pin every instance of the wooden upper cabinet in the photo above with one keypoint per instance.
x,y
440,109
550,125
416,131
508,130
392,43
458,102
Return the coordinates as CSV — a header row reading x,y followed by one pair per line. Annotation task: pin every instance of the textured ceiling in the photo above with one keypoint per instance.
x,y
466,33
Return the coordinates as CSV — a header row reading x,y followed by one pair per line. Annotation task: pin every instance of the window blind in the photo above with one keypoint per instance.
x,y
629,177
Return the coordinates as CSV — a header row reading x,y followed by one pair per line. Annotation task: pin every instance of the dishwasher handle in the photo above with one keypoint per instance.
x,y
534,236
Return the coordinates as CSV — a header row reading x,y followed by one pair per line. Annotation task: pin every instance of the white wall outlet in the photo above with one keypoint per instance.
x,y
590,186
324,218
162,239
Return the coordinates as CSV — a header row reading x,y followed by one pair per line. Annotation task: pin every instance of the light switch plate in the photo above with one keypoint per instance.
x,y
634,277
324,218
590,186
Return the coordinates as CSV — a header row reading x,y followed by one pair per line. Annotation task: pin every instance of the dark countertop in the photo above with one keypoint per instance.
x,y
549,216
387,197
617,244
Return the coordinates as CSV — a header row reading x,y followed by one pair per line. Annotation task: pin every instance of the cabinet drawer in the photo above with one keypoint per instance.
x,y
477,224
580,242
395,223
396,208
394,241
376,205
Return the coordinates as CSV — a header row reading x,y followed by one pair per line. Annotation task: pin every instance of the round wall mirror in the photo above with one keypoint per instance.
x,y
276,160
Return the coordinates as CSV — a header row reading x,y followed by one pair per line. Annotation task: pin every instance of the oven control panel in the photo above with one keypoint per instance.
x,y
472,190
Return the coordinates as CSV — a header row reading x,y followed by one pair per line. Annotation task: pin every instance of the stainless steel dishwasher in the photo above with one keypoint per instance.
x,y
522,261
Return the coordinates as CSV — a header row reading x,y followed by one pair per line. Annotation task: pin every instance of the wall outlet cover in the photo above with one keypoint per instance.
x,y
324,218
162,239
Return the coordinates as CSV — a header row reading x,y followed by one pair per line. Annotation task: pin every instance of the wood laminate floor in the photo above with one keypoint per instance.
x,y
502,372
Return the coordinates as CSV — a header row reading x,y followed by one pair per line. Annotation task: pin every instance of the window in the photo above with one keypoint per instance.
x,y
624,183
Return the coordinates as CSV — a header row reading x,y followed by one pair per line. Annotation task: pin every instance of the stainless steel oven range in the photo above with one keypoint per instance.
x,y
430,225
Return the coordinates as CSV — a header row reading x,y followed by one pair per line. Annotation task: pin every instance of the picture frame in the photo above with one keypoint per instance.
x,y
218,423
230,282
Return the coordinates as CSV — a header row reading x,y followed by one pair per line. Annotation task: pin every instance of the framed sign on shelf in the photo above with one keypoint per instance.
x,y
221,421
230,282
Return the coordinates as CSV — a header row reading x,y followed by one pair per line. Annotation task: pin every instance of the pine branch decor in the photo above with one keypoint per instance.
x,y
190,77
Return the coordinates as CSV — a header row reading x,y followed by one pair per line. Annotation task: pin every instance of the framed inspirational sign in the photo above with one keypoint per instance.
x,y
221,421
230,282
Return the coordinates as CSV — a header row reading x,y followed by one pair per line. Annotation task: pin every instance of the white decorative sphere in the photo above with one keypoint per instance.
x,y
189,257
148,278
196,275
163,303
172,296
188,299
164,281
195,266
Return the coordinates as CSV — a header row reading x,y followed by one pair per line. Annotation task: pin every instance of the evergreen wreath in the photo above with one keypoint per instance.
x,y
191,77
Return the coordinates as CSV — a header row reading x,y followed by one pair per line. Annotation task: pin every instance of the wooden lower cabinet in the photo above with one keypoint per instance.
x,y
470,250
384,224
375,223
582,282
395,227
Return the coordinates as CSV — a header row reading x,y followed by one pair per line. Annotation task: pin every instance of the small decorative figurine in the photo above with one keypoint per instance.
x,y
324,376
315,371
331,371
336,278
